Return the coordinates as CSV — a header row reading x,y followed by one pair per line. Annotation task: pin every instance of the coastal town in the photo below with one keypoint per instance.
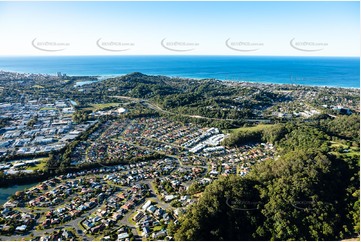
x,y
123,168
180,121
128,201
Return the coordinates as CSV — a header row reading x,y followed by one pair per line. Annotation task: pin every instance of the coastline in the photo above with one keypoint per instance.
x,y
338,72
102,77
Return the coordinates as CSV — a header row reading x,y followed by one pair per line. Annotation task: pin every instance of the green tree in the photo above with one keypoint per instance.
x,y
228,210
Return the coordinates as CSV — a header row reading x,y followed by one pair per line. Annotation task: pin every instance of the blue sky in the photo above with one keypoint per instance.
x,y
192,28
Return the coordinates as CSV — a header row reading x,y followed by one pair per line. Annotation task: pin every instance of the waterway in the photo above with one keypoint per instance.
x,y
6,192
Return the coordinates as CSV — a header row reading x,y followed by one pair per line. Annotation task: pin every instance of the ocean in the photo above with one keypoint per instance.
x,y
313,71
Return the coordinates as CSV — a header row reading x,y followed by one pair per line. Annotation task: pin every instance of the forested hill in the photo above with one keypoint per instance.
x,y
227,103
208,98
144,86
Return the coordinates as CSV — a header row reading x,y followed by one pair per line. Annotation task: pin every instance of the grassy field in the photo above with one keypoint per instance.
x,y
40,166
253,128
100,106
353,150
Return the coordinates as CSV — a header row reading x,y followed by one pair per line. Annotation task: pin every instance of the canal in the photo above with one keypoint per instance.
x,y
6,192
